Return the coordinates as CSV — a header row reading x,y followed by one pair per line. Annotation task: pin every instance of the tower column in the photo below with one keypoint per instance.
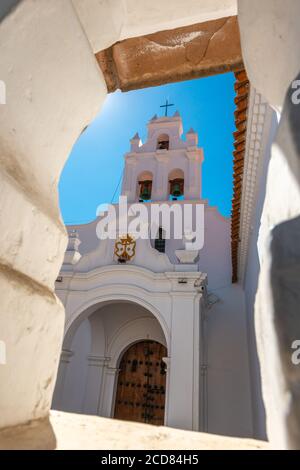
x,y
194,184
160,187
129,180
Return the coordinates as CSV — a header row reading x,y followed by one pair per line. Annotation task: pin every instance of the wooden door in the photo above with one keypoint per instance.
x,y
141,388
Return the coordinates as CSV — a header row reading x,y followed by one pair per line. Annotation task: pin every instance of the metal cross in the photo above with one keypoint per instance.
x,y
166,106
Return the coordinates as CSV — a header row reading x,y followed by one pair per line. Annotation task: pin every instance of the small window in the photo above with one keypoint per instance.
x,y
160,242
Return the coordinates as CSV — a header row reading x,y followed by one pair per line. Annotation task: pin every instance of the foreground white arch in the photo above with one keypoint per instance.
x,y
48,104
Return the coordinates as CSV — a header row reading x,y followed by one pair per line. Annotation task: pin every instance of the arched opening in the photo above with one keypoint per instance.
x,y
176,184
89,372
144,186
163,142
141,386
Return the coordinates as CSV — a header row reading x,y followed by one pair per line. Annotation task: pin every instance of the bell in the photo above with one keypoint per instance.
x,y
176,188
145,193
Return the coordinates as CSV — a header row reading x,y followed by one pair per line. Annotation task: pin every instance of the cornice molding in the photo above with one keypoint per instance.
x,y
97,361
258,128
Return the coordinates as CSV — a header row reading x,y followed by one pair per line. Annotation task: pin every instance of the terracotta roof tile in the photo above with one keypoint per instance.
x,y
241,87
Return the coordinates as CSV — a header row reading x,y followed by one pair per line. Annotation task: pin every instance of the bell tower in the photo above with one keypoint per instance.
x,y
165,167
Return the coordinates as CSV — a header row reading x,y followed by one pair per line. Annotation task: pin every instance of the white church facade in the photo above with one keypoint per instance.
x,y
159,334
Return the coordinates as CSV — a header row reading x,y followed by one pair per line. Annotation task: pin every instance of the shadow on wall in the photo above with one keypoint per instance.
x,y
290,125
6,6
285,283
285,268
251,287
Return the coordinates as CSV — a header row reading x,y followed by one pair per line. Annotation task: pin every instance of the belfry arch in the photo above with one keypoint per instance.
x,y
176,183
144,186
163,142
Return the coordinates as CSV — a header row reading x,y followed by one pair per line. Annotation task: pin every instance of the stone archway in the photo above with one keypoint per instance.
x,y
141,383
93,345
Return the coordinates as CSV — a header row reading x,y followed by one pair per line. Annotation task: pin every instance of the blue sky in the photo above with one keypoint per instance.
x,y
95,165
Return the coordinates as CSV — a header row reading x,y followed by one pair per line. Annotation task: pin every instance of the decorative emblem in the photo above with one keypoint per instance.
x,y
125,248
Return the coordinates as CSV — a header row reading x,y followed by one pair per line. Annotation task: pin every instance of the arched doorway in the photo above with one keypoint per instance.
x,y
93,349
141,387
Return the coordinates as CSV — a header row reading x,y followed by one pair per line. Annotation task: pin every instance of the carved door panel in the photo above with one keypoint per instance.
x,y
141,385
